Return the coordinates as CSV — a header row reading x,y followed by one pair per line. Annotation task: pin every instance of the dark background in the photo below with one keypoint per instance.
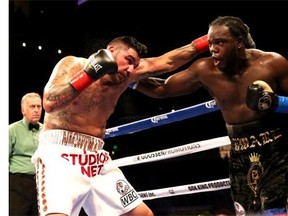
x,y
162,25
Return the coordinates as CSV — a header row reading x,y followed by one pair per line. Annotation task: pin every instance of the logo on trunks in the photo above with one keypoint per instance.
x,y
90,164
129,196
239,210
253,141
255,172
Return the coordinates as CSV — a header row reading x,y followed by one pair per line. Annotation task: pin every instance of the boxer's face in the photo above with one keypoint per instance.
x,y
127,60
222,46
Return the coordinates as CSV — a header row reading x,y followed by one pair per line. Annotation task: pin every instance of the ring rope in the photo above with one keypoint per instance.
x,y
208,186
173,152
166,118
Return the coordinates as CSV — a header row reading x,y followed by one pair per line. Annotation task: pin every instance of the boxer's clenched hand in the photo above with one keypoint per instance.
x,y
201,44
101,63
98,65
261,97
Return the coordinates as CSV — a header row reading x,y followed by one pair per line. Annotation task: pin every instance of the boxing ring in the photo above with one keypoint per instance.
x,y
178,151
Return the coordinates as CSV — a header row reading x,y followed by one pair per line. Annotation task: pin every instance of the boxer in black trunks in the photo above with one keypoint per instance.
x,y
256,117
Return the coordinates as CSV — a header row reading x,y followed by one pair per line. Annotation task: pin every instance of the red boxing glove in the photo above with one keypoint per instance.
x,y
201,44
81,81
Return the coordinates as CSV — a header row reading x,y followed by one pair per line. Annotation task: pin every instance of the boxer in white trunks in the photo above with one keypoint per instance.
x,y
72,169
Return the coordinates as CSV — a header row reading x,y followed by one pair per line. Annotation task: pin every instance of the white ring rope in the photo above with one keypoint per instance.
x,y
186,189
174,152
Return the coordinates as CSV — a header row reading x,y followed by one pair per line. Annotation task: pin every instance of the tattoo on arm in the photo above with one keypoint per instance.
x,y
61,98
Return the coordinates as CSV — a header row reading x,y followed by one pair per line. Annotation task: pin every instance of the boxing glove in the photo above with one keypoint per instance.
x,y
261,97
99,64
201,44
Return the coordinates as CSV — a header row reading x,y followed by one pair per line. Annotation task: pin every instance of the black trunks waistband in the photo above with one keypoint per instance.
x,y
253,134
240,129
266,124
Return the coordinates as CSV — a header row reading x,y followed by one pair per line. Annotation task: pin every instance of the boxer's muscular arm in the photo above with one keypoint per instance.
x,y
283,77
260,95
171,60
69,75
58,92
179,84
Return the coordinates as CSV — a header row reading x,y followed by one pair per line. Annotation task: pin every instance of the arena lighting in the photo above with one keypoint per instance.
x,y
79,2
24,45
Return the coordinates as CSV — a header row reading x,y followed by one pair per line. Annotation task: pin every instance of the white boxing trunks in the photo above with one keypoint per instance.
x,y
73,171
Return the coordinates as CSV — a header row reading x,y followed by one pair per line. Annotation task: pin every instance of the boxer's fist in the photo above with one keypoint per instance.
x,y
100,63
201,44
261,97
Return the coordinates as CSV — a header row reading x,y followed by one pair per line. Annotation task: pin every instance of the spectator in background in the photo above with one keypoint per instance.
x,y
23,141
224,152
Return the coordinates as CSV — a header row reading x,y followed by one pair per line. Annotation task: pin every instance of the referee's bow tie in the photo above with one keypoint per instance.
x,y
31,126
